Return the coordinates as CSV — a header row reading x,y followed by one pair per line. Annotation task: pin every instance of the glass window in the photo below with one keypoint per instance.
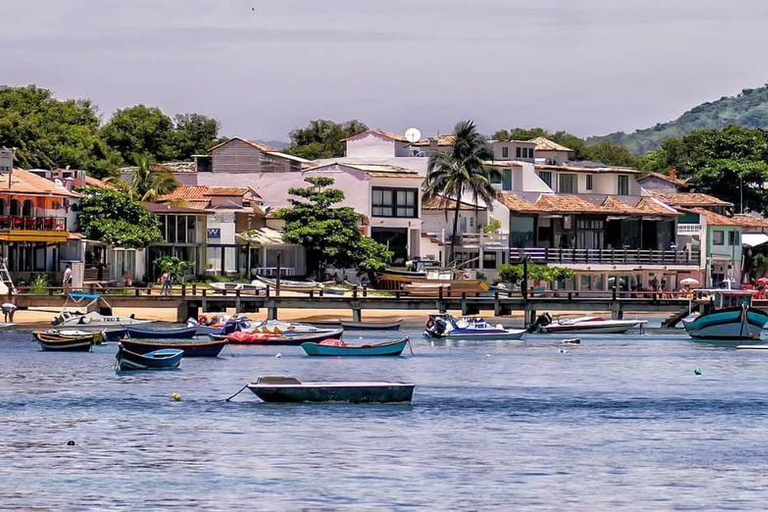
x,y
589,182
505,152
733,238
181,229
546,177
171,238
522,232
191,229
394,202
567,183
718,238
518,152
623,185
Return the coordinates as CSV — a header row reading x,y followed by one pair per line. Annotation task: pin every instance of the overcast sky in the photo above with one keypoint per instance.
x,y
587,66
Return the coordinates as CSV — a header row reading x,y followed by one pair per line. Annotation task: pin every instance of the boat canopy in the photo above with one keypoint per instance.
x,y
84,296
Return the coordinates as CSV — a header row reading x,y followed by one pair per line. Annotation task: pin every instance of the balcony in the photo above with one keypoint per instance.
x,y
688,229
11,223
606,256
473,240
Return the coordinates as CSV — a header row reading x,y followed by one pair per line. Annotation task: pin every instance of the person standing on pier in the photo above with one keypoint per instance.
x,y
66,280
165,281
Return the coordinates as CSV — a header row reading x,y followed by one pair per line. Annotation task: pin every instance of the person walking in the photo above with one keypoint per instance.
x,y
165,281
66,281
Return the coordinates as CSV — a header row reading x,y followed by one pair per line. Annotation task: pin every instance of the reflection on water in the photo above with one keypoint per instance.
x,y
618,421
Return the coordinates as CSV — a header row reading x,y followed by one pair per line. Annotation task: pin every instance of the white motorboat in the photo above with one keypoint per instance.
x,y
285,328
94,319
585,324
446,326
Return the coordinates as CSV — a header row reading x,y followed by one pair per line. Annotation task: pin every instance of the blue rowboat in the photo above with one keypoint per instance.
x,y
389,348
163,359
191,348
735,323
161,334
290,390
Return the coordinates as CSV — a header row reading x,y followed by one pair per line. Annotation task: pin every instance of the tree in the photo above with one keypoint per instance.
x,y
329,234
323,138
50,133
461,170
194,134
141,130
176,266
609,154
112,217
148,185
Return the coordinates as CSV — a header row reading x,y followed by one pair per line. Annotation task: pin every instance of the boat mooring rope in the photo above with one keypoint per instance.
x,y
233,396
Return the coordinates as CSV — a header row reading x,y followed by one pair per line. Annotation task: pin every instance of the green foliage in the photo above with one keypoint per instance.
x,y
760,265
49,133
329,234
38,284
323,138
460,171
536,273
716,161
140,130
147,185
748,109
510,273
113,217
176,266
194,134
493,226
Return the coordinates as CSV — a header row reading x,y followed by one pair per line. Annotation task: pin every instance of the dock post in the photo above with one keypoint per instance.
x,y
272,311
357,315
237,301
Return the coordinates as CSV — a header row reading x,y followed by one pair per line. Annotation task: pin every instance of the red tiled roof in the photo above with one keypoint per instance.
x,y
572,204
544,144
715,219
751,221
170,208
97,183
442,202
669,179
688,199
24,182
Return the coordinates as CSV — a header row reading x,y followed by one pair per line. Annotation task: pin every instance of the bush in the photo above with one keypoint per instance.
x,y
39,284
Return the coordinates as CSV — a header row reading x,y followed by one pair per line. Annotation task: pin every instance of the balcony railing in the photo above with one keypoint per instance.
x,y
473,240
606,256
11,223
688,229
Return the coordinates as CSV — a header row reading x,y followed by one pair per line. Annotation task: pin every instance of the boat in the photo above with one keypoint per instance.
x,y
339,348
222,326
290,390
446,326
288,285
752,347
54,342
161,334
266,338
726,315
584,324
374,325
252,288
191,348
91,319
162,359
285,328
451,288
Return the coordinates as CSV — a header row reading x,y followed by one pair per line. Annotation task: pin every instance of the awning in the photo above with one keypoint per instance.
x,y
754,239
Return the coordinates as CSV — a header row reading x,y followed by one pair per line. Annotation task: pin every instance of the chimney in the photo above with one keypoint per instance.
x,y
672,173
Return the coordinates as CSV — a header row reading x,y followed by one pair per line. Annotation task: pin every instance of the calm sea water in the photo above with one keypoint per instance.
x,y
618,421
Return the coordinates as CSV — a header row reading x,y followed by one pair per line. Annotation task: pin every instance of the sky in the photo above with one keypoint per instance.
x,y
264,67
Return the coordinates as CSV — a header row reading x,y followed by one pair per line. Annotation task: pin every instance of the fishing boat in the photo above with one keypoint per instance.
x,y
267,338
191,348
726,315
93,319
162,359
446,326
373,325
55,342
584,324
290,390
288,285
339,348
221,326
161,334
286,328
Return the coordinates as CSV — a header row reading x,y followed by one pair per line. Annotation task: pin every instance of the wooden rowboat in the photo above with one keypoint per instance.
x,y
290,390
191,348
67,343
163,359
339,348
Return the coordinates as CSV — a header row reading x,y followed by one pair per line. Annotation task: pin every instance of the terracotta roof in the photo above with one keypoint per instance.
x,y
442,140
256,144
202,193
516,204
380,133
170,208
24,182
544,144
594,205
669,179
97,183
652,205
715,219
442,202
689,199
751,221
592,169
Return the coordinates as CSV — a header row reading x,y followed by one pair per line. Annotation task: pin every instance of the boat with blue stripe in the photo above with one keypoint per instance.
x,y
727,315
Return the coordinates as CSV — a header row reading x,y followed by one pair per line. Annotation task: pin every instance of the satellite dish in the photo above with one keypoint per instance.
x,y
412,135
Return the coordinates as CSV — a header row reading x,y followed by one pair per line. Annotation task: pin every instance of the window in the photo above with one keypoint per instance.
x,y
394,202
518,152
567,183
505,152
181,229
590,185
623,186
733,238
546,177
718,237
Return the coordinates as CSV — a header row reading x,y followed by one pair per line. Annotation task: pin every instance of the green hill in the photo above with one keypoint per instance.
x,y
750,109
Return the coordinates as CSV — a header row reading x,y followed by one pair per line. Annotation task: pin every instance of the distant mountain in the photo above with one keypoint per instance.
x,y
750,109
277,144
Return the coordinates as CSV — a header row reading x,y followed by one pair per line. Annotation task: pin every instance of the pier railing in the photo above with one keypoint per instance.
x,y
608,256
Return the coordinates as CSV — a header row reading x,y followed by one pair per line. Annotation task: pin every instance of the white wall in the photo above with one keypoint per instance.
x,y
370,144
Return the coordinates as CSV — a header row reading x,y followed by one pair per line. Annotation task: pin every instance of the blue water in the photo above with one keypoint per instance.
x,y
618,421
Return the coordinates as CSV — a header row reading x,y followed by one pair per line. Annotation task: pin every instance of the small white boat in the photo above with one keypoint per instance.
x,y
94,319
286,328
447,327
252,288
752,347
585,324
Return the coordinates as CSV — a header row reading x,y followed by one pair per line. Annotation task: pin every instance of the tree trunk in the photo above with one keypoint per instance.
x,y
455,229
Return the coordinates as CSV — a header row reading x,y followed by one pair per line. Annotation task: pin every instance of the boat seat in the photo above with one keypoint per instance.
x,y
277,380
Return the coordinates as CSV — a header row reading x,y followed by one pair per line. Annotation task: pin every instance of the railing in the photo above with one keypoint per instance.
x,y
10,223
473,239
608,256
272,271
688,229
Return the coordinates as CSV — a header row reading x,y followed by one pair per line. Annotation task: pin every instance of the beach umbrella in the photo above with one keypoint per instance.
x,y
763,281
689,281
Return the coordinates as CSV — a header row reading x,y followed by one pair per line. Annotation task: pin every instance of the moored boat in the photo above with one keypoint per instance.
x,y
290,390
162,359
267,338
446,326
339,348
191,348
94,319
69,342
585,324
726,316
161,334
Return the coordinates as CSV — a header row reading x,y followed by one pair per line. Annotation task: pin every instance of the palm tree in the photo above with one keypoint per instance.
x,y
460,171
148,185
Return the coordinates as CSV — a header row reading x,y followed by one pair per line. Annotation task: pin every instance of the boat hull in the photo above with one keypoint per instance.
x,y
163,359
294,340
161,334
190,348
591,328
510,334
355,393
727,324
391,349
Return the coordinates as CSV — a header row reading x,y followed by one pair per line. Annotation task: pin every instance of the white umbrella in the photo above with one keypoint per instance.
x,y
689,281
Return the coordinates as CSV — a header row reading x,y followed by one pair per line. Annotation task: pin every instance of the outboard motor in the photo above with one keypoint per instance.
x,y
542,320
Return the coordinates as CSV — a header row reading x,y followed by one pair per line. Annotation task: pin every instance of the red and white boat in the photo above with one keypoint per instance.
x,y
586,324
